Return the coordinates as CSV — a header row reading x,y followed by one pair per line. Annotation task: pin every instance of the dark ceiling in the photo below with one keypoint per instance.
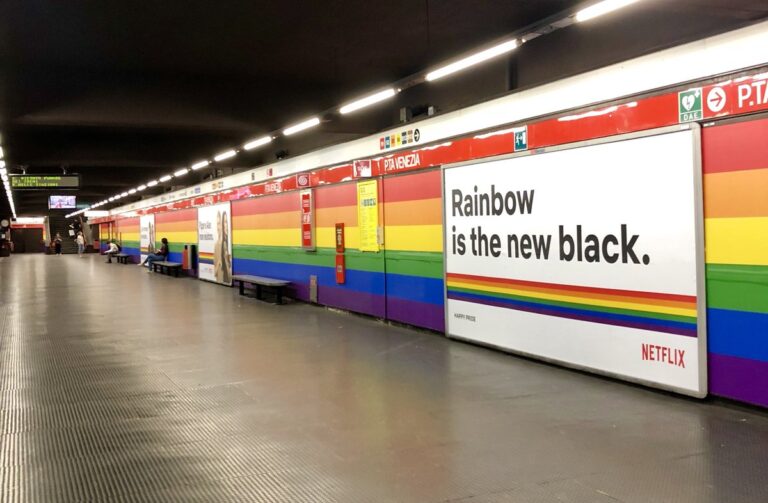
x,y
125,91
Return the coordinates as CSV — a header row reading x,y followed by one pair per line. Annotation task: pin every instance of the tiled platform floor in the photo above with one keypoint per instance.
x,y
118,385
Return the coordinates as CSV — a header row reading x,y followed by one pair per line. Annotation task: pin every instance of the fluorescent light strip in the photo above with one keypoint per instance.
x,y
1,153
601,8
301,126
181,172
152,183
141,187
257,143
164,178
367,101
472,60
225,155
198,165
132,191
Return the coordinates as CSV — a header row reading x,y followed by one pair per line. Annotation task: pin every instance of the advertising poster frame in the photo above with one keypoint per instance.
x,y
214,243
146,236
694,384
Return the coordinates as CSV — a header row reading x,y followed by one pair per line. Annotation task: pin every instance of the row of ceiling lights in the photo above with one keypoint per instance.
x,y
591,12
6,182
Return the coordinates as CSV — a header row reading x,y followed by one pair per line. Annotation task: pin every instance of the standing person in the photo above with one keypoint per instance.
x,y
80,239
161,255
57,244
112,250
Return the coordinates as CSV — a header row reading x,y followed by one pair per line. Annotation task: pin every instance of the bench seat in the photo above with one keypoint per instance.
x,y
167,267
260,281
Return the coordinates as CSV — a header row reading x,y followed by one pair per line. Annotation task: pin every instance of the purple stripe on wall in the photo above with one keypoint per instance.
x,y
359,302
738,378
420,314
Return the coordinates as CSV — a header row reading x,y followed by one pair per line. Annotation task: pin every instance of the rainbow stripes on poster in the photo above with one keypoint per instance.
x,y
736,225
205,258
658,312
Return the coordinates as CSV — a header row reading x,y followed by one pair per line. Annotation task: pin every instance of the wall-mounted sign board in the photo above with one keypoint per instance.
x,y
44,182
588,255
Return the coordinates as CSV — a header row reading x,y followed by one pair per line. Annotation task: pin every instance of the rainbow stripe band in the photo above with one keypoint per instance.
x,y
205,258
658,312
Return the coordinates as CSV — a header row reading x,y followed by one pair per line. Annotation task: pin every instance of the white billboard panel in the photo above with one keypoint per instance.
x,y
146,236
214,230
589,256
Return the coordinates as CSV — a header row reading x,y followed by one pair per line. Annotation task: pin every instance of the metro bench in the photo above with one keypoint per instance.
x,y
167,267
122,258
258,281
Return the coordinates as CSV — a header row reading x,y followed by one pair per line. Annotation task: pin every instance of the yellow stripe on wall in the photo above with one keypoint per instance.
x,y
325,237
424,238
267,237
181,237
737,240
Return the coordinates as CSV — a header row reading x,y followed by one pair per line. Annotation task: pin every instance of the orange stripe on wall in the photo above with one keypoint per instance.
x,y
736,194
328,217
418,212
280,220
184,226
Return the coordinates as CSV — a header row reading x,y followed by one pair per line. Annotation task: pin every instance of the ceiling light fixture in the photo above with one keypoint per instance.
x,y
200,165
1,152
124,194
601,8
367,101
132,191
225,155
257,142
181,172
164,178
475,59
301,126
152,183
141,187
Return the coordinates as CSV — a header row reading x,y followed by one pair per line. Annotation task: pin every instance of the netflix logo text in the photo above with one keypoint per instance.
x,y
664,354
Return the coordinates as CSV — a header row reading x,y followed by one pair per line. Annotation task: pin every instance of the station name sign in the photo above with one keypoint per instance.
x,y
44,182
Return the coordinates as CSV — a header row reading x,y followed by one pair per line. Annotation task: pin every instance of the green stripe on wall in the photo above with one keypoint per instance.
x,y
323,257
573,305
129,244
424,264
738,287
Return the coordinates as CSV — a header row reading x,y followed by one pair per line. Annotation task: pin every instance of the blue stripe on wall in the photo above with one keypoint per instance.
x,y
738,333
428,290
363,281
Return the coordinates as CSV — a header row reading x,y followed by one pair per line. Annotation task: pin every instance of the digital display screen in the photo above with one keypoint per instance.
x,y
36,182
61,202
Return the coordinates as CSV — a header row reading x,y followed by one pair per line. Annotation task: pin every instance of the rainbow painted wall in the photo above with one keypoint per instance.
x,y
127,235
735,164
404,281
180,227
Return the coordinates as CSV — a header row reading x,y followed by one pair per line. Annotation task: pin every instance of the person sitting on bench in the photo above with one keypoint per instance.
x,y
160,256
113,250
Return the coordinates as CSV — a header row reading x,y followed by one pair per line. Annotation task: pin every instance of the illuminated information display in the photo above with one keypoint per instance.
x,y
38,182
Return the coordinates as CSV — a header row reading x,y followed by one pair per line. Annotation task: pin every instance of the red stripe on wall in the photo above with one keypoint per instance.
x,y
335,196
735,147
176,216
417,186
260,205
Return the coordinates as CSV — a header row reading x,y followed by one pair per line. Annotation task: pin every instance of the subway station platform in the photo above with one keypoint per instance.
x,y
119,385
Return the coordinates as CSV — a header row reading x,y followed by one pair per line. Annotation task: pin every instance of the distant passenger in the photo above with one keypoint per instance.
x,y
112,250
57,244
159,256
80,239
